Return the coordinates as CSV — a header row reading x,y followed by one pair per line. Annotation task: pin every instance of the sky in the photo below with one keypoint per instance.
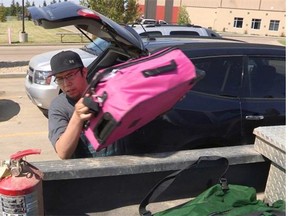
x,y
7,3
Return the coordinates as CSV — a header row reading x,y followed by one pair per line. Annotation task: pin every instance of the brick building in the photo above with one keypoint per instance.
x,y
254,17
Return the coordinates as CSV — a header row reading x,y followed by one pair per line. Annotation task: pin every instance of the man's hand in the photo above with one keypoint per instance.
x,y
82,111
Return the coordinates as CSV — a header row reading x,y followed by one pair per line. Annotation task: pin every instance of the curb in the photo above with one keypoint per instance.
x,y
10,64
4,64
9,76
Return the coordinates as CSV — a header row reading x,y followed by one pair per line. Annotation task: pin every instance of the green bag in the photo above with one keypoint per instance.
x,y
221,199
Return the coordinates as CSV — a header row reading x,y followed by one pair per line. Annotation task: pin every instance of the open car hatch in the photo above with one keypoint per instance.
x,y
68,13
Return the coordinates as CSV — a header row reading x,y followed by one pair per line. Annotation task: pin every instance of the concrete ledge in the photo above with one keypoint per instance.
x,y
127,164
108,184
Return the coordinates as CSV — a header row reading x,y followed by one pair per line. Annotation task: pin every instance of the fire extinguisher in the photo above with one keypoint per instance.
x,y
20,186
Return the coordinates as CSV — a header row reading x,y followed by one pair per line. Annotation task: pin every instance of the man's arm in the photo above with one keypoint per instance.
x,y
68,141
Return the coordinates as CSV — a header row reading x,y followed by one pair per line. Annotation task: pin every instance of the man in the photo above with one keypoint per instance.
x,y
67,113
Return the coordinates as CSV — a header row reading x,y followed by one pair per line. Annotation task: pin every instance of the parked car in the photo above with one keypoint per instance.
x,y
42,91
153,30
39,87
244,86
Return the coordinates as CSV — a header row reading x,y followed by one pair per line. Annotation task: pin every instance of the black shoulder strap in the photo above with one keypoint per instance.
x,y
163,184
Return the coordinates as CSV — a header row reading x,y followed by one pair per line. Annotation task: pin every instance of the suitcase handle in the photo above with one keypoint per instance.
x,y
104,127
163,69
92,105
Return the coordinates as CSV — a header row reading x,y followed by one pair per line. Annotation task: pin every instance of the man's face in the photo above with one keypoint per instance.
x,y
72,82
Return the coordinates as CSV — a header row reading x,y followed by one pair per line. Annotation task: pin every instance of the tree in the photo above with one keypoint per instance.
x,y
131,12
2,13
121,11
18,9
13,10
26,13
27,4
183,16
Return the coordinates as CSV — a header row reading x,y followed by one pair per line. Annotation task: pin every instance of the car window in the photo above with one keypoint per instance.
x,y
149,22
97,46
223,75
151,33
194,33
212,33
265,77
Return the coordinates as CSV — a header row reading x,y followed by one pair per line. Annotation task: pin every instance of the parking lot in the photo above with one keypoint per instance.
x,y
22,124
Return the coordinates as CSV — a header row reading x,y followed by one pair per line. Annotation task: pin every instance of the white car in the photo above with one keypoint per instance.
x,y
152,21
166,29
42,89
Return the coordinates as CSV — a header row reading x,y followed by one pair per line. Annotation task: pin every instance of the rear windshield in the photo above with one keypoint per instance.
x,y
151,34
184,33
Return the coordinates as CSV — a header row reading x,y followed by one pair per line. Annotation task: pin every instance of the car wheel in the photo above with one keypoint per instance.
x,y
44,111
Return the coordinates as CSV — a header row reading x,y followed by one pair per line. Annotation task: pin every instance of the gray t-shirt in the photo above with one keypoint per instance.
x,y
60,113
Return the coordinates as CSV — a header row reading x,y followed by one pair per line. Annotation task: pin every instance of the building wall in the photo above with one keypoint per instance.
x,y
241,4
169,10
225,19
160,15
219,15
201,3
278,5
205,17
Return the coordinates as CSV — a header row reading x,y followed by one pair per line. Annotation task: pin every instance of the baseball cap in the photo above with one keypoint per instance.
x,y
64,61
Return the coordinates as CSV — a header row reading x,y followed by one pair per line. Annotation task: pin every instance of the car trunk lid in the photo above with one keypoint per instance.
x,y
68,13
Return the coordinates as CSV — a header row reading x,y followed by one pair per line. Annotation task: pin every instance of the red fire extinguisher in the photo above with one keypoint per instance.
x,y
21,186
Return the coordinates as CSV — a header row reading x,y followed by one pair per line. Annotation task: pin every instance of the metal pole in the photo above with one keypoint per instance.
x,y
23,25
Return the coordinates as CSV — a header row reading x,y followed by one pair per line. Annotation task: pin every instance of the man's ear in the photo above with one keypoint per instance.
x,y
84,71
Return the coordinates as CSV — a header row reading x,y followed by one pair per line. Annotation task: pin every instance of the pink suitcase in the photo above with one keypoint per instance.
x,y
131,94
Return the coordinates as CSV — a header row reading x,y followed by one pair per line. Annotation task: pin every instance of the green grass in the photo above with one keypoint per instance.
x,y
283,42
36,34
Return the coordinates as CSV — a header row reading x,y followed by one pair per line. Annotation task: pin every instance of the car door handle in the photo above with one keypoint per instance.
x,y
253,118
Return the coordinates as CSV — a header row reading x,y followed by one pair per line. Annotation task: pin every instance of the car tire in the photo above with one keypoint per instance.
x,y
44,111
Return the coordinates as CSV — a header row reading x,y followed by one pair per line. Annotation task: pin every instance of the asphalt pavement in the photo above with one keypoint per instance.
x,y
22,124
23,52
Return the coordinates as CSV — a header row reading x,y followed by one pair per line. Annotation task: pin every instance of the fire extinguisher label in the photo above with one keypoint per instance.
x,y
19,205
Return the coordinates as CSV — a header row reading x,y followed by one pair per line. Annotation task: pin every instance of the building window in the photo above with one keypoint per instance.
x,y
238,22
274,25
255,23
